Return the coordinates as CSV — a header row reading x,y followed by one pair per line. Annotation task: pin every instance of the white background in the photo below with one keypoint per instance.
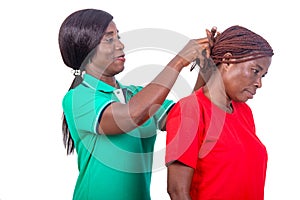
x,y
34,79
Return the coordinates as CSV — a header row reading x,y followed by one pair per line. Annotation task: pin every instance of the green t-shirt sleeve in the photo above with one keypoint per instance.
x,y
86,108
162,112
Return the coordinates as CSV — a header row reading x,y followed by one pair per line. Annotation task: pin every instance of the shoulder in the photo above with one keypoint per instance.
x,y
67,99
193,100
187,106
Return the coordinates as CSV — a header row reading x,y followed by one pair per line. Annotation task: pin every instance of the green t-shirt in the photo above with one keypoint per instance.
x,y
114,167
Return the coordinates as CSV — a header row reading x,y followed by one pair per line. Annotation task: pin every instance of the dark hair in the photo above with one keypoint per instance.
x,y
243,44
79,35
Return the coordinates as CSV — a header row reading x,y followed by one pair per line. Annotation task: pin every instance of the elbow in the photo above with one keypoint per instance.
x,y
138,117
141,115
179,181
178,193
177,190
173,193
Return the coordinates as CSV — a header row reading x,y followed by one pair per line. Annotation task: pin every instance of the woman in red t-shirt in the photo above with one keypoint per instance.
x,y
212,148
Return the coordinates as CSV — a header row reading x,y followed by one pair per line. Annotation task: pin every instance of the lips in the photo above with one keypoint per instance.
x,y
121,58
251,93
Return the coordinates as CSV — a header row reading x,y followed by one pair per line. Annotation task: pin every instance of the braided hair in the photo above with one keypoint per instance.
x,y
243,44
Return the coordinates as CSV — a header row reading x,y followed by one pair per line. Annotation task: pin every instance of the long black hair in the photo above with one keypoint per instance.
x,y
79,35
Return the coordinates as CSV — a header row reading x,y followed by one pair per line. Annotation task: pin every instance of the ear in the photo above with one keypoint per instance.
x,y
225,61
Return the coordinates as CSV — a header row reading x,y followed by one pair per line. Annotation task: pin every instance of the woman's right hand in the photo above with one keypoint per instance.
x,y
193,50
198,48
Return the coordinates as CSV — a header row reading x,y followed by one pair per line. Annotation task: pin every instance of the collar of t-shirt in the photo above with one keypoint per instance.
x,y
99,85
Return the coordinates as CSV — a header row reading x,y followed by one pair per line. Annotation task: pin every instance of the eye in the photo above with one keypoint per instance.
x,y
264,75
255,71
109,40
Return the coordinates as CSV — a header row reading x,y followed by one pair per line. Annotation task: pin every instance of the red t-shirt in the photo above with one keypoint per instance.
x,y
229,160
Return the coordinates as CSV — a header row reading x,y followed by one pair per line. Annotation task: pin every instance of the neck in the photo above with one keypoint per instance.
x,y
110,80
215,91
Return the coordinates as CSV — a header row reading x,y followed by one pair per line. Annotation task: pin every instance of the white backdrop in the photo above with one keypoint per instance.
x,y
34,79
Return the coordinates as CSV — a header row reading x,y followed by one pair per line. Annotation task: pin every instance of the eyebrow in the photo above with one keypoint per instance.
x,y
110,32
260,67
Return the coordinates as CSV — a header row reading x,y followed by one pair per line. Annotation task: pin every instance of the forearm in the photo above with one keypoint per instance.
x,y
147,101
205,71
179,181
199,82
177,195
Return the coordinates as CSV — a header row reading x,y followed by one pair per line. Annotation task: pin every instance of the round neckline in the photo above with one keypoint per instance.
x,y
215,107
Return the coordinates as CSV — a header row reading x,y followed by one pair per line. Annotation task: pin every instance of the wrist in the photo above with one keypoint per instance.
x,y
177,63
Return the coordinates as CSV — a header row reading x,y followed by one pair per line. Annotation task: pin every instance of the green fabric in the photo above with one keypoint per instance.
x,y
110,167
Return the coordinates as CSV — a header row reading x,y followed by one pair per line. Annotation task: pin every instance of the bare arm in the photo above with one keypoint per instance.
x,y
179,181
199,82
206,65
204,73
120,118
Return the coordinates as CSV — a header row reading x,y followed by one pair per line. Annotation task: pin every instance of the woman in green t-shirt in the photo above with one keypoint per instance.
x,y
113,126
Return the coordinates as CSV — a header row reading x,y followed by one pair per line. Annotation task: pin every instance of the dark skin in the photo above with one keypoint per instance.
x,y
237,82
109,60
179,181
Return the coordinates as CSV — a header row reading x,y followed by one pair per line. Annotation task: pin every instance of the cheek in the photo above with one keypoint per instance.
x,y
103,56
105,52
234,84
231,80
241,78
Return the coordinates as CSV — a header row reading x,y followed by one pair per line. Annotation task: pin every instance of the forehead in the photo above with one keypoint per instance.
x,y
111,28
263,63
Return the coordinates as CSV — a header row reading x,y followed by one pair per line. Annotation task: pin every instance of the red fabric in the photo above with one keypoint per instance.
x,y
229,160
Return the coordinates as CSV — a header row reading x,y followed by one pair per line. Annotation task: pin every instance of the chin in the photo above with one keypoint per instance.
x,y
241,99
245,100
120,69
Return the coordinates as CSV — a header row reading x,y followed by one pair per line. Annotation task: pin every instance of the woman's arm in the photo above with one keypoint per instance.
x,y
120,118
179,181
204,73
207,65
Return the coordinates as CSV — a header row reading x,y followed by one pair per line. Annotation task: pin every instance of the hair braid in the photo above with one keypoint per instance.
x,y
243,44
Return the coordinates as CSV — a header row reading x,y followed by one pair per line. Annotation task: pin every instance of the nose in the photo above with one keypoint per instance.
x,y
119,45
258,83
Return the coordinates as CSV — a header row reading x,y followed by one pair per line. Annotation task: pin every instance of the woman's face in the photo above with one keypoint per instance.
x,y
109,55
243,79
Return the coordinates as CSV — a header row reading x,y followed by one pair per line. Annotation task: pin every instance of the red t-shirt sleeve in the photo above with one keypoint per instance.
x,y
182,132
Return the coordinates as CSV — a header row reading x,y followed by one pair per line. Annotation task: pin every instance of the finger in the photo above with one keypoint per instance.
x,y
213,30
201,40
208,33
208,51
210,38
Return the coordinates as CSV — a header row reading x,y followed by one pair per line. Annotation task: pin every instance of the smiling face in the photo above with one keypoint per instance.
x,y
109,59
241,80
